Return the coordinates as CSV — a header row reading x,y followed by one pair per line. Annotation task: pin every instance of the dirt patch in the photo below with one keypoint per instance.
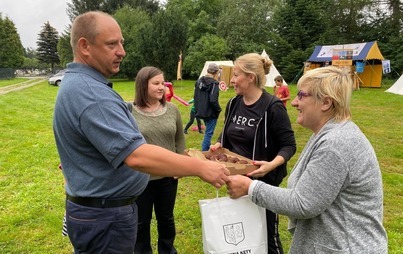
x,y
20,86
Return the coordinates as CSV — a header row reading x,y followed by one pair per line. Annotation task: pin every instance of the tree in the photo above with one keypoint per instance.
x,y
287,29
207,48
77,7
64,48
30,52
11,50
200,26
387,27
127,11
244,25
149,6
346,18
31,60
131,22
393,46
294,29
47,42
203,18
161,42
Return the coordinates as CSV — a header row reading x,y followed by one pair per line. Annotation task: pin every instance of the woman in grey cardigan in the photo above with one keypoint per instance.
x,y
334,195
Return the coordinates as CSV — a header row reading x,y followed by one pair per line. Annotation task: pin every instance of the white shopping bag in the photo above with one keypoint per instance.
x,y
233,226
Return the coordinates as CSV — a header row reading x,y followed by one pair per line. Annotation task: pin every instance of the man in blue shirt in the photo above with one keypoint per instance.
x,y
105,159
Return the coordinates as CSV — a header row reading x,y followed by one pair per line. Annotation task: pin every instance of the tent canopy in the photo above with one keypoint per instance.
x,y
272,73
361,51
397,87
363,60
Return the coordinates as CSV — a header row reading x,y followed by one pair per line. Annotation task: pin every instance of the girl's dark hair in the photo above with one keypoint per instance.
x,y
142,78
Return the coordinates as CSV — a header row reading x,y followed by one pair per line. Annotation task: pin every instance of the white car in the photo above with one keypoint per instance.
x,y
56,79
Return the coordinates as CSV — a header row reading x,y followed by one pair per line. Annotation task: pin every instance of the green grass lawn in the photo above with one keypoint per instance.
x,y
7,82
31,185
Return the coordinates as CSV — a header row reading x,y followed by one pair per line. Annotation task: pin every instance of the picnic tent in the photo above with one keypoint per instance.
x,y
363,60
272,73
226,70
397,87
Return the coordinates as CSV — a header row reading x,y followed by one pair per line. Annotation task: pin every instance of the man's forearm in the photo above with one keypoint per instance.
x,y
156,160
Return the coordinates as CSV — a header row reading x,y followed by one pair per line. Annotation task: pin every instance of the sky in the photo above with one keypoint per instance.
x,y
29,16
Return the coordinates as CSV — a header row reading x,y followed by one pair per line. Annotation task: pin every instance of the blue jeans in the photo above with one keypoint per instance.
x,y
209,132
102,230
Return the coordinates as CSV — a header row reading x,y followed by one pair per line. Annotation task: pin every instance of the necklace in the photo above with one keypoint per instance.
x,y
151,111
151,108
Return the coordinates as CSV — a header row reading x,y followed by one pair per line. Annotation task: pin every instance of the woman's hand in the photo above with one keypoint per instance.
x,y
238,186
215,146
264,168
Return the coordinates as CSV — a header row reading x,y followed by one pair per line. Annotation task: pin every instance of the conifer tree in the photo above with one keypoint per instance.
x,y
11,50
47,45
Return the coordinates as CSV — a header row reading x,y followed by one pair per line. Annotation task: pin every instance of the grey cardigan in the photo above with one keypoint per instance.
x,y
334,198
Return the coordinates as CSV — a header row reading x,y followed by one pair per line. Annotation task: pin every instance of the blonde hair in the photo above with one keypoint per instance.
x,y
255,64
85,26
330,82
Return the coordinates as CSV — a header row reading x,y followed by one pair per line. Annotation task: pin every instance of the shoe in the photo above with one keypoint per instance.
x,y
185,131
201,132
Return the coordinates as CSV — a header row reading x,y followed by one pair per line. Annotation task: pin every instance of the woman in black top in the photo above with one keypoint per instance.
x,y
258,127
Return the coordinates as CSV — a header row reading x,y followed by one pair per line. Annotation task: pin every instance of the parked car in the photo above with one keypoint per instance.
x,y
56,79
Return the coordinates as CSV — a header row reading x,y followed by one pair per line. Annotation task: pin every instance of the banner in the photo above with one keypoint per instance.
x,y
179,71
386,66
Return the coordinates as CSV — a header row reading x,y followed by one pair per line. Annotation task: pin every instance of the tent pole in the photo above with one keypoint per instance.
x,y
297,76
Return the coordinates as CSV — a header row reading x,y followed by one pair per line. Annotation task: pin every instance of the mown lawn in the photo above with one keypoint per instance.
x,y
7,82
31,186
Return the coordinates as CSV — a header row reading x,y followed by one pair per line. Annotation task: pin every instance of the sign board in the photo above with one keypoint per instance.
x,y
342,57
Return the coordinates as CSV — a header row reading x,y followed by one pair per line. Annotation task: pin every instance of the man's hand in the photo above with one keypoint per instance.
x,y
238,186
214,173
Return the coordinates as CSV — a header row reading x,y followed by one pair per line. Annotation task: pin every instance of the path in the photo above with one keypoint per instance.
x,y
20,86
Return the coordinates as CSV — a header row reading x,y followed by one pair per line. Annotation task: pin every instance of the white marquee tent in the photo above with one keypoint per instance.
x,y
226,70
397,87
219,63
272,73
227,76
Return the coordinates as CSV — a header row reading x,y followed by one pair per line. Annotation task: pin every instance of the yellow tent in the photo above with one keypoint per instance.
x,y
364,60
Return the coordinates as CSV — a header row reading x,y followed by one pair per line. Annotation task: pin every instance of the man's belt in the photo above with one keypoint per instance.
x,y
101,202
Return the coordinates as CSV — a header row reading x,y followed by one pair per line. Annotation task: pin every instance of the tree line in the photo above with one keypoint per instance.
x,y
206,30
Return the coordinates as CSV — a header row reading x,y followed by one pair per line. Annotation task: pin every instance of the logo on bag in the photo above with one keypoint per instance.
x,y
234,233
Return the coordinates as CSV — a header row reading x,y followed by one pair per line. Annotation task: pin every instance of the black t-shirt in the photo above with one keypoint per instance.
x,y
242,127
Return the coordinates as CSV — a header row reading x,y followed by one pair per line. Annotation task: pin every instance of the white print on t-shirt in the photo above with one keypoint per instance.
x,y
241,120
